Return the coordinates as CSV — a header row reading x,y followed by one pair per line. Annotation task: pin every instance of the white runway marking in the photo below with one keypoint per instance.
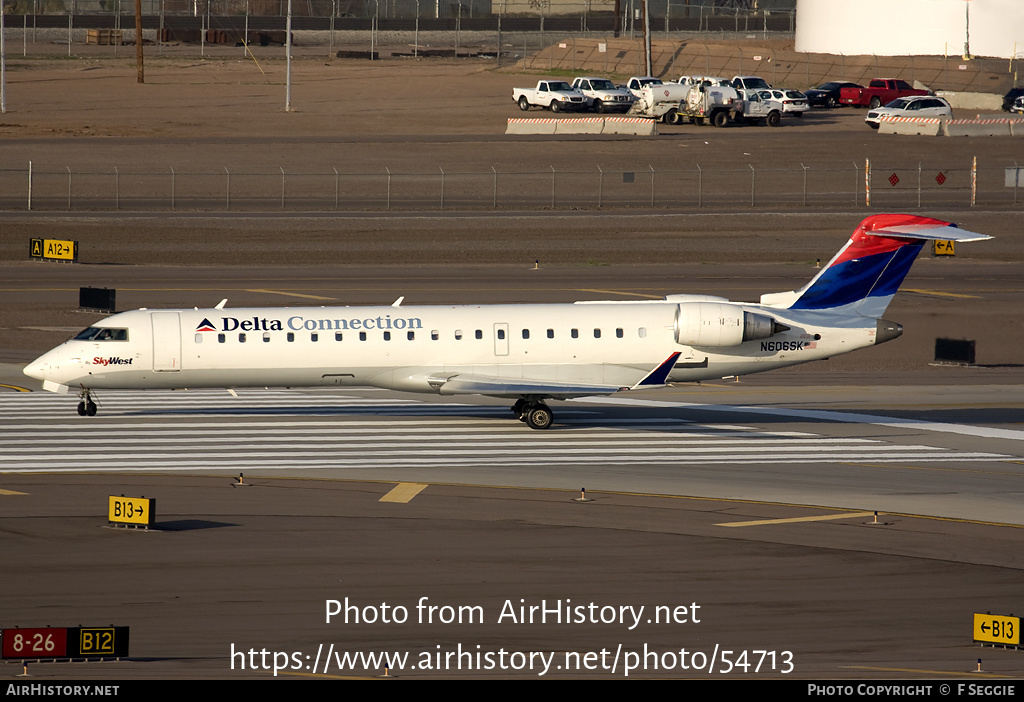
x,y
827,415
210,431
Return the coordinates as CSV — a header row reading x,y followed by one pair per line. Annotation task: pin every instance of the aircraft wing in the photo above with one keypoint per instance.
x,y
467,384
464,384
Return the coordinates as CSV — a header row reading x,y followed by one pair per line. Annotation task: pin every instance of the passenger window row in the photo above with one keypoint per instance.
x,y
435,335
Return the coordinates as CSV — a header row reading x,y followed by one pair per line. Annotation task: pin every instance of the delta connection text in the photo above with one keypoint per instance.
x,y
300,323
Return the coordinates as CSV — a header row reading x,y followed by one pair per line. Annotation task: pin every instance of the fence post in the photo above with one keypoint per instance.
x,y
700,177
227,189
600,186
172,187
494,194
389,186
69,187
974,180
282,187
753,174
552,186
442,186
919,185
867,182
117,189
805,183
30,185
652,183
337,186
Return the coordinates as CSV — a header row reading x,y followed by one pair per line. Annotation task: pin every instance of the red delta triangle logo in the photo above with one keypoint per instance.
x,y
205,326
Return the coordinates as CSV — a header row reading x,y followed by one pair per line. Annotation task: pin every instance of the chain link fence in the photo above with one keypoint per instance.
x,y
853,184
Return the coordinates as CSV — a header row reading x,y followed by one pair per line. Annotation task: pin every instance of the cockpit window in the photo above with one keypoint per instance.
x,y
102,334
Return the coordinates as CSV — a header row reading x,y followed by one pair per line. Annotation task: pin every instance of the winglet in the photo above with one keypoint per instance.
x,y
659,375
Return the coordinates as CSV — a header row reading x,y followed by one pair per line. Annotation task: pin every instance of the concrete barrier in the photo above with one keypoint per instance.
x,y
580,125
927,126
977,127
971,101
531,126
640,126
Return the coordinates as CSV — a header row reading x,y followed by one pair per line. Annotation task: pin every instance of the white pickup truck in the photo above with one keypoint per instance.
x,y
602,95
555,95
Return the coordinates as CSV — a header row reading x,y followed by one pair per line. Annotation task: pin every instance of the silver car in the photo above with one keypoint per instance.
x,y
914,106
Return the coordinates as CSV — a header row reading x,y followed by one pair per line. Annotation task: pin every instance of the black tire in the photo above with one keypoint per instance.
x,y
699,121
670,117
524,104
539,417
875,103
598,106
720,119
830,102
773,119
90,408
556,106
81,409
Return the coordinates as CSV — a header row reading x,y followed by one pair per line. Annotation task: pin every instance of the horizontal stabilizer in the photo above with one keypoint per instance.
x,y
946,232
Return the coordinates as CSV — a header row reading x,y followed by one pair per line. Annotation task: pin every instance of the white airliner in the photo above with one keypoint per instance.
x,y
528,353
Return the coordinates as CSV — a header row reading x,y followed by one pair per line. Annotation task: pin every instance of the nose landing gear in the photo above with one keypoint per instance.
x,y
86,407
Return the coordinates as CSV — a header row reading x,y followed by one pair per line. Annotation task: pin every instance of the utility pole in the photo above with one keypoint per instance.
x,y
138,43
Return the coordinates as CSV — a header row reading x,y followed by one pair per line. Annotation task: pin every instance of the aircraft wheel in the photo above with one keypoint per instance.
x,y
90,408
539,417
81,409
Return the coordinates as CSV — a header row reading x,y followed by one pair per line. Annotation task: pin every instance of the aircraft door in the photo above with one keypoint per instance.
x,y
166,341
501,339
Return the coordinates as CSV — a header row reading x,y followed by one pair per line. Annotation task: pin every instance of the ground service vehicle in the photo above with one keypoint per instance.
x,y
760,107
880,91
555,95
602,95
637,83
749,83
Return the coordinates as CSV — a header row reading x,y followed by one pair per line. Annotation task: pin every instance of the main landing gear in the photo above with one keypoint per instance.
x,y
537,415
86,407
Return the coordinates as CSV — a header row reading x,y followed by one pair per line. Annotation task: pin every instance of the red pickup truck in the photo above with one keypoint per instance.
x,y
879,92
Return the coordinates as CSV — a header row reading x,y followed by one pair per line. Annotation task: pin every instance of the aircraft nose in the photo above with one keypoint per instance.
x,y
37,369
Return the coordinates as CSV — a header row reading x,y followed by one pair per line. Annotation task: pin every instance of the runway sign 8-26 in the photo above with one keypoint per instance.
x,y
53,249
995,628
60,642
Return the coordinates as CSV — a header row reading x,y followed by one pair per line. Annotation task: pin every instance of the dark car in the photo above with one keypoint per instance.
x,y
1010,97
827,94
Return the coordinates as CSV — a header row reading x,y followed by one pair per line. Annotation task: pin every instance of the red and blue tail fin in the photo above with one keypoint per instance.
x,y
863,277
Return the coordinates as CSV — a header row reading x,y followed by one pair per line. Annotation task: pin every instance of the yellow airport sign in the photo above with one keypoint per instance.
x,y
941,247
998,629
53,249
132,510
